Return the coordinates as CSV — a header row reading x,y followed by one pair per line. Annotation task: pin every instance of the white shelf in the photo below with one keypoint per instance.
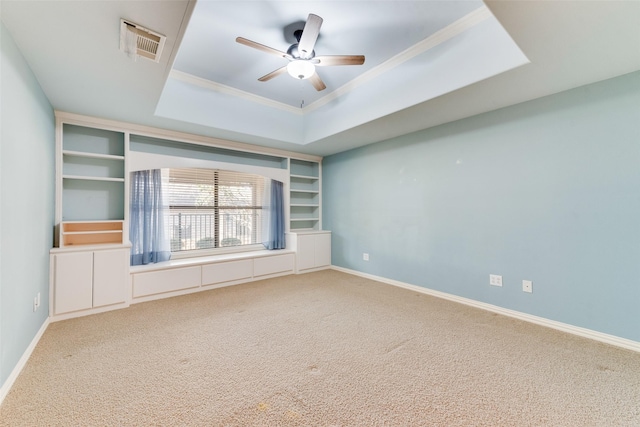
x,y
311,178
304,191
92,155
93,178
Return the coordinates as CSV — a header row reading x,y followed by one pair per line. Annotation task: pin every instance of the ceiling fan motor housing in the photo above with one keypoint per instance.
x,y
293,51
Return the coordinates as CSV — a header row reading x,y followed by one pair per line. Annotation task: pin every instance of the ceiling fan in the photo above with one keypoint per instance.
x,y
301,56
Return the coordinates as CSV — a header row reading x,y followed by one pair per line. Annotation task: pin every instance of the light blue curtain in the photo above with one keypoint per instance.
x,y
147,219
273,215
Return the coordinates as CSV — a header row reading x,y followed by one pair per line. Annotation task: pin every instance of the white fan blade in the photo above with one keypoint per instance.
x,y
317,82
309,36
273,74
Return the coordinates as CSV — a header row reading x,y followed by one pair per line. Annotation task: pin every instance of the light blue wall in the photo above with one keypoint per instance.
x,y
27,174
548,190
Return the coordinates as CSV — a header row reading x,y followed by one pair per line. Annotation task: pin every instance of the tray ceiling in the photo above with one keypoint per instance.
x,y
427,63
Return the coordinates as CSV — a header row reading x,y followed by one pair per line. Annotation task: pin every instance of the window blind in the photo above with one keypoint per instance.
x,y
212,208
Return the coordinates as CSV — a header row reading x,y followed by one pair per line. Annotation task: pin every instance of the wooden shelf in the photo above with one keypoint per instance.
x,y
74,233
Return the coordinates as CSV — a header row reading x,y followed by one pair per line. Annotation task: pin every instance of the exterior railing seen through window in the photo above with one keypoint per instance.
x,y
194,228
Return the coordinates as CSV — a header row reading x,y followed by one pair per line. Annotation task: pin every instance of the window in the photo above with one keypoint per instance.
x,y
212,209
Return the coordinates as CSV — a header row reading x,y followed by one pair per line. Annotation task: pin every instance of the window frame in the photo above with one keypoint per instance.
x,y
219,180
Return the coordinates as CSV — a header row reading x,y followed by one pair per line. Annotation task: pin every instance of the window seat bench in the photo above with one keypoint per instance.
x,y
187,275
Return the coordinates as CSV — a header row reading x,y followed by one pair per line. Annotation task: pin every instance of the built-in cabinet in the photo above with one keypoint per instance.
x,y
304,197
313,250
88,279
195,274
90,269
90,264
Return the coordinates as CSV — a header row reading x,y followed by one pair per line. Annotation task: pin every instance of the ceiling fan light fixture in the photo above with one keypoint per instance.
x,y
301,69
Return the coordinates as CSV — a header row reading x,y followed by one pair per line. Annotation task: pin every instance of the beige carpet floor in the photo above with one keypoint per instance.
x,y
321,349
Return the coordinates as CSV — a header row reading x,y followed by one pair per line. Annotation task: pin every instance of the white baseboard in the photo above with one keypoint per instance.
x,y
564,327
4,390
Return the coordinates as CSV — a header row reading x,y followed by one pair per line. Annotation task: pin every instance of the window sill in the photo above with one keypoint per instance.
x,y
202,260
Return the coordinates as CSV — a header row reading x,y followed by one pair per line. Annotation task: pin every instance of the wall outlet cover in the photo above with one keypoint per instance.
x,y
527,286
495,280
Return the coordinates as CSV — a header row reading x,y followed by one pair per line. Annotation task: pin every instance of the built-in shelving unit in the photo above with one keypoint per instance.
x,y
304,200
92,175
90,263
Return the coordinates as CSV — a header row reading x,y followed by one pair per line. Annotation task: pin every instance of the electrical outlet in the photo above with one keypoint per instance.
x,y
527,286
35,304
365,256
495,280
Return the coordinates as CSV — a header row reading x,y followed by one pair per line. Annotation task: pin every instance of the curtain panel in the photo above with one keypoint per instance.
x,y
148,209
273,216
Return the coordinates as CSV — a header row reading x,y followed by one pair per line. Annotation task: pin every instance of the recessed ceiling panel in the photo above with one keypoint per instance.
x,y
376,29
427,49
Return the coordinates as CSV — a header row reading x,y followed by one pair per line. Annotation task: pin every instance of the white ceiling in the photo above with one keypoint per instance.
x,y
428,63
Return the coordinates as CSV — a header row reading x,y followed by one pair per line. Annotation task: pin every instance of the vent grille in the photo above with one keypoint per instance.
x,y
136,40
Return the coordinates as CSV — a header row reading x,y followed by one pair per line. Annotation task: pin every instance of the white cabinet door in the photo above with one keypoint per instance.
x,y
306,251
322,250
73,282
110,269
157,282
313,251
273,264
227,271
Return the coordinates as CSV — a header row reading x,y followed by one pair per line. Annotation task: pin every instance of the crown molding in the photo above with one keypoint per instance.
x,y
458,27
228,90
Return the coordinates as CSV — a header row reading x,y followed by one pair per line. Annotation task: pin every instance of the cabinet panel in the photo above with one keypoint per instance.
x,y
272,264
227,271
156,282
313,250
73,282
110,269
306,253
322,250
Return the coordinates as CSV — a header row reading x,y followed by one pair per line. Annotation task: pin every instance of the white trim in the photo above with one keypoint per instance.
x,y
458,27
6,387
461,25
564,327
88,312
148,131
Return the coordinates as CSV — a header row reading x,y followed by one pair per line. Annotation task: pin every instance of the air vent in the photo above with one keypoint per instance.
x,y
136,40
